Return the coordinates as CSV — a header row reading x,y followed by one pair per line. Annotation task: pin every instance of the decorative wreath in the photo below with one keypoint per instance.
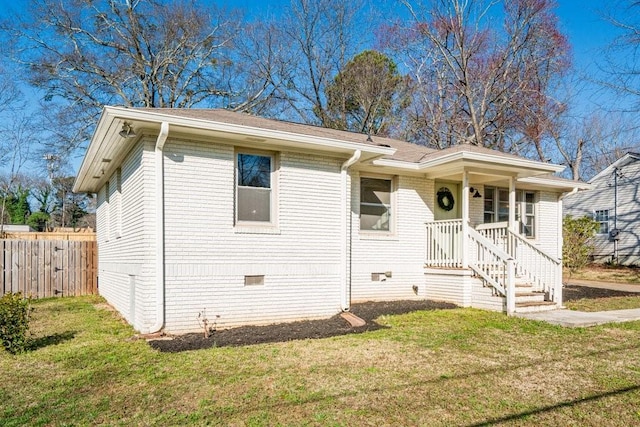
x,y
445,199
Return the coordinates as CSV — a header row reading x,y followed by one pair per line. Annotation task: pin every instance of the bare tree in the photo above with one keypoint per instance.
x,y
621,59
478,80
321,36
139,53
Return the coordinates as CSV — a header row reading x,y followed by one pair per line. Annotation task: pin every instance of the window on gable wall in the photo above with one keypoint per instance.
x,y
375,204
254,188
602,216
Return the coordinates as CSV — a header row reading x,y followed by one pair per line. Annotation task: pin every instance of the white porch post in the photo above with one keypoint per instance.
x,y
513,226
465,219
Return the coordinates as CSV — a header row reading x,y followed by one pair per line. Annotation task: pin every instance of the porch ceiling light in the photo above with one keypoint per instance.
x,y
127,131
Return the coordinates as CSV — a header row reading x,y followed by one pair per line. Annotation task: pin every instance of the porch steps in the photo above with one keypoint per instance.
x,y
533,307
528,301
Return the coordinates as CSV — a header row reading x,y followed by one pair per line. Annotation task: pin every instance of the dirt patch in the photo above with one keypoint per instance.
x,y
574,293
310,329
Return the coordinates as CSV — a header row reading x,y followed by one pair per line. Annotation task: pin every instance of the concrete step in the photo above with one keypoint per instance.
x,y
532,307
529,296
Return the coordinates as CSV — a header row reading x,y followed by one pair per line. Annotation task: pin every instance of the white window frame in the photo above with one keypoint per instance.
x,y
602,222
257,226
107,210
521,206
118,228
393,206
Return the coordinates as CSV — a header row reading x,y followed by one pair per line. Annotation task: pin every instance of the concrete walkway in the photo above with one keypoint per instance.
x,y
579,319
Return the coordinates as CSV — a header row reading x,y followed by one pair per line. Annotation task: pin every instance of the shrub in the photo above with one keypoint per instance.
x,y
577,236
14,322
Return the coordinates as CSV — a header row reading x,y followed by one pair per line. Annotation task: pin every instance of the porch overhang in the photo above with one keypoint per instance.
x,y
485,166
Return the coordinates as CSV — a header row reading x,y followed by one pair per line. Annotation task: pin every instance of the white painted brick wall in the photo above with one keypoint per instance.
x,y
206,259
132,253
403,253
548,230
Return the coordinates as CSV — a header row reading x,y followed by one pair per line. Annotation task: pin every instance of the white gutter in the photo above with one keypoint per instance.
x,y
159,181
344,232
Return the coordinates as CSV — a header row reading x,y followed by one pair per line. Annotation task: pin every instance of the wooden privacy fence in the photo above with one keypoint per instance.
x,y
48,268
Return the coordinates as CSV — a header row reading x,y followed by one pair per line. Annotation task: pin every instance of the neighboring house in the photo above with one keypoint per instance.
x,y
614,201
254,221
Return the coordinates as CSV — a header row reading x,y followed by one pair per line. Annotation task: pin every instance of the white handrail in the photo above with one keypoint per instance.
x,y
495,266
542,269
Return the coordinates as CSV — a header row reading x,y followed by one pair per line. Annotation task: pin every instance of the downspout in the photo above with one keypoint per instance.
x,y
159,184
345,234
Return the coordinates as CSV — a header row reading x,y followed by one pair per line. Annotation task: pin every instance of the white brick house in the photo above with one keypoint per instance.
x,y
260,221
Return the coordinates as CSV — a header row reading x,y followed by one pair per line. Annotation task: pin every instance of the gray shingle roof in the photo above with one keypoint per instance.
x,y
405,151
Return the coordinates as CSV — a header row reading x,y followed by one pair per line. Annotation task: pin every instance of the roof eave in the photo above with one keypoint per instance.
x,y
609,169
489,158
560,185
110,114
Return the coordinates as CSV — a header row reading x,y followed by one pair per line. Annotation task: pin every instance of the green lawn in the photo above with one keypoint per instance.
x,y
450,367
604,304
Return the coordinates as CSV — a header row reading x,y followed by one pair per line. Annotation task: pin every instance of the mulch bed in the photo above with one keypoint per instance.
x,y
574,292
309,329
336,325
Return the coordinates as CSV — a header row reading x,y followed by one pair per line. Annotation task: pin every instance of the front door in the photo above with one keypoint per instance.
x,y
447,203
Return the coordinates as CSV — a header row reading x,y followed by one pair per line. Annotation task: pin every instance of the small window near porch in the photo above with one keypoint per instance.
x,y
375,204
526,213
489,205
602,216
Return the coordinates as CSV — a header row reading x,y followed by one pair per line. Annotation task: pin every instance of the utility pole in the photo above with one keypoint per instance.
x,y
53,164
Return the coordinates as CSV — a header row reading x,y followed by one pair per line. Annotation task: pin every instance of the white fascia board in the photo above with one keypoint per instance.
x,y
551,183
144,115
489,158
399,164
606,171
92,150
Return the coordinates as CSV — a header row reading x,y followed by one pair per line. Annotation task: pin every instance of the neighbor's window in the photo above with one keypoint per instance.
x,y
603,218
254,187
375,204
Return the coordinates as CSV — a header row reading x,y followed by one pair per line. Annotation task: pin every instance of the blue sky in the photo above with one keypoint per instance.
x,y
580,20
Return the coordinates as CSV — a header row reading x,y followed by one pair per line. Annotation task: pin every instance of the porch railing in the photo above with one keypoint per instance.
x,y
542,270
495,266
497,255
444,243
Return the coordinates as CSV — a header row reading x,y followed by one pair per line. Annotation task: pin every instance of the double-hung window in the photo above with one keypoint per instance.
x,y
602,216
375,204
254,188
526,213
496,208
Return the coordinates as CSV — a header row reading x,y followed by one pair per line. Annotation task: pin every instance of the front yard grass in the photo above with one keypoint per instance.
x,y
604,304
448,367
606,273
